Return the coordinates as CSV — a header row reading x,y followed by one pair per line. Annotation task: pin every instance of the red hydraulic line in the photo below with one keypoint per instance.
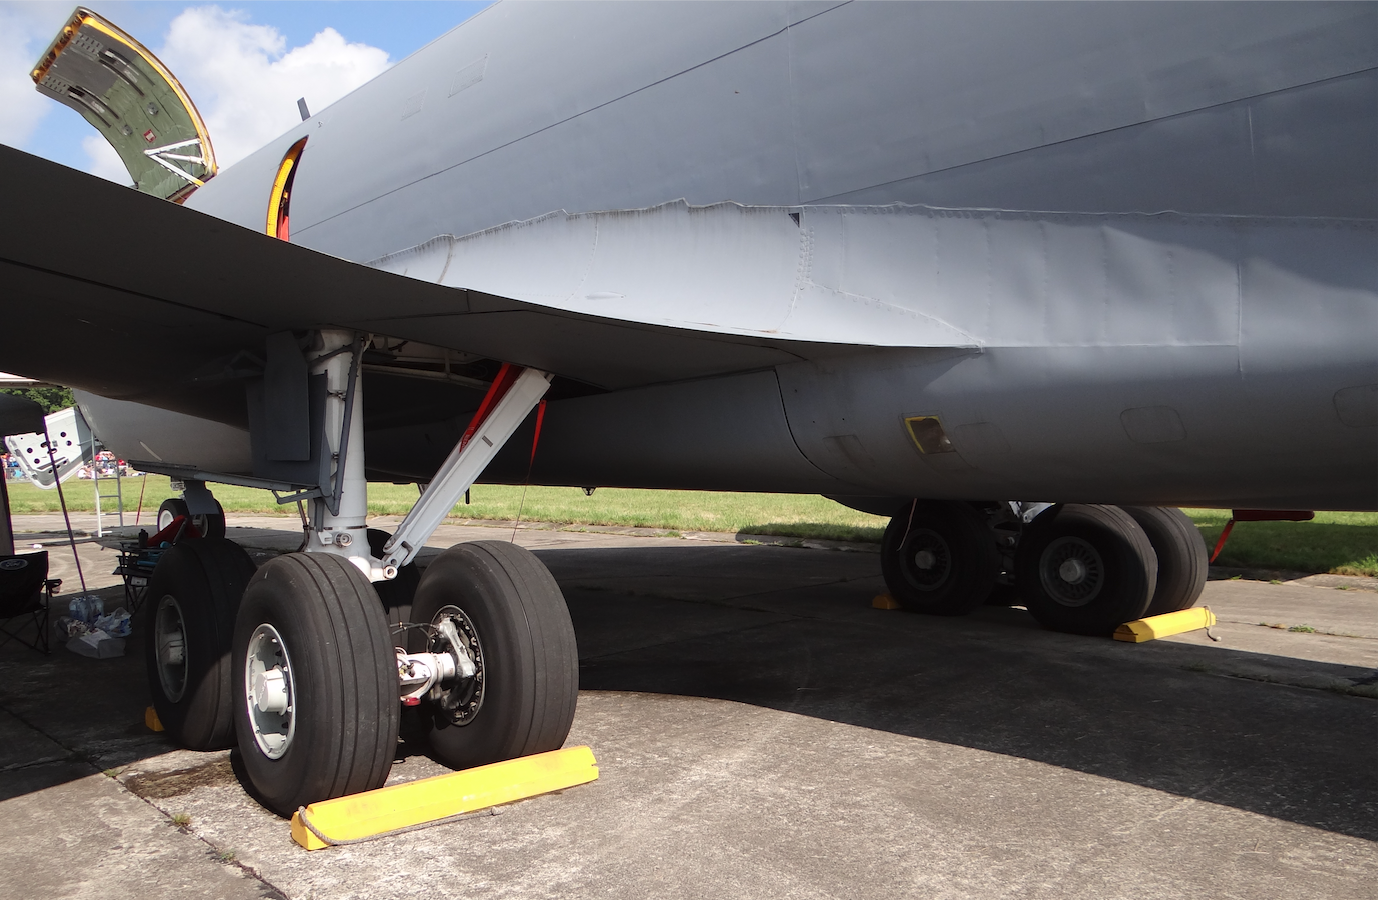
x,y
507,376
540,417
1260,515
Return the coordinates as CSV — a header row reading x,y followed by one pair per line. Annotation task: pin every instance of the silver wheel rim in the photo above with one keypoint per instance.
x,y
1072,571
461,703
927,559
165,518
270,692
170,647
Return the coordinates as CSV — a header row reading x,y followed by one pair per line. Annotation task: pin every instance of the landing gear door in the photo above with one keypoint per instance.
x,y
133,101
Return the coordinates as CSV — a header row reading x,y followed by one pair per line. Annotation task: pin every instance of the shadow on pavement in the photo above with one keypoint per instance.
x,y
793,630
1155,714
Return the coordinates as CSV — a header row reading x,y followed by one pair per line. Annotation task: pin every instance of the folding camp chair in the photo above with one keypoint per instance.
x,y
25,592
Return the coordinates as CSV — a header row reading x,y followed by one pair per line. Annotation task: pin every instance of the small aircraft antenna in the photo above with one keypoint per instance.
x,y
301,108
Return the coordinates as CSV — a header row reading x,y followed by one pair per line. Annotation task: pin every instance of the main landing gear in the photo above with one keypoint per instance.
x,y
1083,569
189,618
332,652
315,682
210,525
496,610
939,557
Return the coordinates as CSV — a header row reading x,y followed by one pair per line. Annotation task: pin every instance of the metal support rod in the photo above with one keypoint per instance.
x,y
338,519
6,526
465,463
345,431
57,482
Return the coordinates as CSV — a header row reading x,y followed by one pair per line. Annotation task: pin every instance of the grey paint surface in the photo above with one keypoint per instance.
x,y
138,431
725,102
1105,351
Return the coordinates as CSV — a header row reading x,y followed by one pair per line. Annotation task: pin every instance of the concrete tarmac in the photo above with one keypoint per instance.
x,y
762,731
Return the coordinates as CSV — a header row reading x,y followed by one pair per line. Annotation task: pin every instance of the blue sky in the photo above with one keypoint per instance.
x,y
251,38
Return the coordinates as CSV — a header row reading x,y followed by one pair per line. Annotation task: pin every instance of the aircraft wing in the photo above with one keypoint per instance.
x,y
131,297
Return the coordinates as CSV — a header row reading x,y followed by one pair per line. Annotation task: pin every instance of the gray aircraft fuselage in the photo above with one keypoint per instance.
x,y
1161,286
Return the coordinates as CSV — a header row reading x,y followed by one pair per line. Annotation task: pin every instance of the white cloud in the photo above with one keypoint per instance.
x,y
245,81
25,30
105,162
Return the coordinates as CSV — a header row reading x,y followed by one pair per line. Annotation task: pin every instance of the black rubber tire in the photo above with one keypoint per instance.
x,y
207,580
344,672
212,526
397,595
170,509
1123,580
967,559
530,663
1183,560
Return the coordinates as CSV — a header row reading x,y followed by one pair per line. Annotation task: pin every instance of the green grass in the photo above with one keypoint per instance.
x,y
1343,543
790,515
1339,543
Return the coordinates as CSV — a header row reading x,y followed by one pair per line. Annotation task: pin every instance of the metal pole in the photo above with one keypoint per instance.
x,y
6,524
57,481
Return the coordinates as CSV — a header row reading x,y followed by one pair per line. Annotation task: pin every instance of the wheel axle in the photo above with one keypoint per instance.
x,y
418,674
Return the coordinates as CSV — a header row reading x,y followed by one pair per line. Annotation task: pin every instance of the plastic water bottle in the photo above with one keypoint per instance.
x,y
86,608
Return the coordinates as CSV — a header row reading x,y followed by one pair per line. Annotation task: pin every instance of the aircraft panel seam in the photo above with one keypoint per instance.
x,y
1013,153
578,115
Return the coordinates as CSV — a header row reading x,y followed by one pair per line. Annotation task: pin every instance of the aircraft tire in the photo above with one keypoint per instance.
x,y
188,623
508,606
316,717
170,509
1183,560
938,557
212,526
1085,569
397,594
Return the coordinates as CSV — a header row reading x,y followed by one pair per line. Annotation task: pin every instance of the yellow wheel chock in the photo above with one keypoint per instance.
x,y
1141,630
401,806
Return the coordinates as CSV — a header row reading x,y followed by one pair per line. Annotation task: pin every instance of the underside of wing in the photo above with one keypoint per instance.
x,y
126,296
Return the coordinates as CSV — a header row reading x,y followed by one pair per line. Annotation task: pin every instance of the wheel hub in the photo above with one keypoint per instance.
x,y
1072,571
270,692
929,559
170,639
460,700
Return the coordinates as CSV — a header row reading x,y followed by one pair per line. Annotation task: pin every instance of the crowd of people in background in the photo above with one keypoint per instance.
x,y
105,464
